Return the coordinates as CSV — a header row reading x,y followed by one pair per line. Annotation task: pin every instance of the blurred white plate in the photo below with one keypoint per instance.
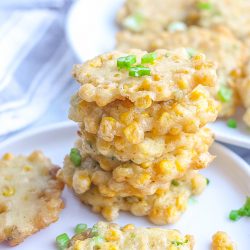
x,y
229,185
91,30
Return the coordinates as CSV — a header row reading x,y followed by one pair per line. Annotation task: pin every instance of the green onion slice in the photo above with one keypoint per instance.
x,y
208,181
134,22
80,228
126,61
75,157
232,123
177,26
225,94
148,58
62,241
139,71
175,183
204,6
235,215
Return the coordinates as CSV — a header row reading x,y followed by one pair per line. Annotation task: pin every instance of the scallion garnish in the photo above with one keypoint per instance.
x,y
204,6
177,26
175,183
243,211
80,228
133,22
126,62
62,241
179,243
232,123
75,157
224,94
139,71
208,181
148,58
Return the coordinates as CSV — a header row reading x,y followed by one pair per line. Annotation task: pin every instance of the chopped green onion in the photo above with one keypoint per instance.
x,y
243,211
179,243
224,94
208,181
132,235
62,241
177,26
204,6
75,157
175,183
234,215
148,58
126,61
191,52
80,228
95,230
232,123
139,71
134,22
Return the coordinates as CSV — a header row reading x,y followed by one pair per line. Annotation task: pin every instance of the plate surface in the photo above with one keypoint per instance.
x,y
91,31
229,184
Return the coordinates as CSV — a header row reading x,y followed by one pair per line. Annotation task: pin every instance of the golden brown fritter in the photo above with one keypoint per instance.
x,y
30,196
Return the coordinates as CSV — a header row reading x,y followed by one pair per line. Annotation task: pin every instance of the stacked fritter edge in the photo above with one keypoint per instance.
x,y
142,135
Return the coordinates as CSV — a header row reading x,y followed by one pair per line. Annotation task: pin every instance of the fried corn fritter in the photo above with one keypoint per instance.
x,y
30,196
110,236
219,45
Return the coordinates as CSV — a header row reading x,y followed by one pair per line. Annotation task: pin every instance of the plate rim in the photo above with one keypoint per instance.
x,y
245,167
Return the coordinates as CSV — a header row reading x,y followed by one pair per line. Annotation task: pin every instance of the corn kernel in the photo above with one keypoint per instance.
x,y
205,80
170,212
181,203
180,167
96,63
126,117
164,118
7,156
81,182
104,190
198,57
175,130
163,167
156,77
134,134
236,73
173,247
143,102
87,92
128,227
182,84
144,178
195,95
146,85
78,245
107,128
112,247
27,168
160,192
112,235
146,165
8,191
109,213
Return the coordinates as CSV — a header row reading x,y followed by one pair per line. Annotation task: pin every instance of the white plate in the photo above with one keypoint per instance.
x,y
91,30
229,185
